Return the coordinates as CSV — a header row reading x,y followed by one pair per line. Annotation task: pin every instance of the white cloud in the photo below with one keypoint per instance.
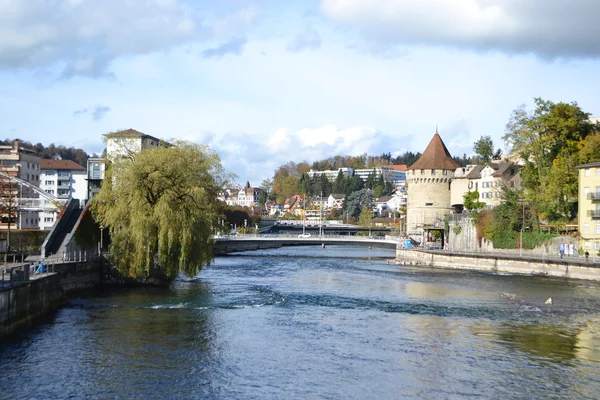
x,y
307,39
87,35
548,28
255,158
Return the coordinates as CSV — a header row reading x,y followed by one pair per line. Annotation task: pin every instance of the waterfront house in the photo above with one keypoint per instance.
x,y
589,206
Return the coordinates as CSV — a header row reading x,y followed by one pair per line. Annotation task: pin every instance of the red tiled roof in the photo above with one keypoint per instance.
x,y
60,164
401,167
435,156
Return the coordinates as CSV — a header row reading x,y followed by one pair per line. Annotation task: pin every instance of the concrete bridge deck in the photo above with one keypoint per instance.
x,y
236,243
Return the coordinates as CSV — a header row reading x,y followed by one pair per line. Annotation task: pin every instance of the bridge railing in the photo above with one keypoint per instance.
x,y
310,238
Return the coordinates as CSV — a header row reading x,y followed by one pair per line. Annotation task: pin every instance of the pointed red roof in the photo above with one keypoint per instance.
x,y
435,156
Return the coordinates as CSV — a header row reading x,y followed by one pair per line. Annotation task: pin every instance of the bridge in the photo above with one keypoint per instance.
x,y
237,243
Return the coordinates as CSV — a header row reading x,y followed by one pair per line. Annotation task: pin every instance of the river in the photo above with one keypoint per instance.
x,y
333,323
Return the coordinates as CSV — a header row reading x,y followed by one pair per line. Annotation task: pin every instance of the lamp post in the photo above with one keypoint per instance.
x,y
245,225
101,237
522,227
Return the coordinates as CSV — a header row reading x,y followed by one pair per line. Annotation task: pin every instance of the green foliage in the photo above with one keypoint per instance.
x,y
160,207
356,201
378,191
471,201
531,240
366,215
484,149
457,230
548,140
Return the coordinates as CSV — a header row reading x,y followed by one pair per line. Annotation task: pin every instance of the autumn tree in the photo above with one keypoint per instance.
x,y
160,207
548,139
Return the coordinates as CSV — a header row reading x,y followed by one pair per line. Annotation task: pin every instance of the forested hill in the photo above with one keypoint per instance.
x,y
50,151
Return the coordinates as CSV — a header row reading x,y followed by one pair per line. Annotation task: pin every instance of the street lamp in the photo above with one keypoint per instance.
x,y
522,227
245,225
101,237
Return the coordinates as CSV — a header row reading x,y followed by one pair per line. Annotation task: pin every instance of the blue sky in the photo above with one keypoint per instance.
x,y
267,82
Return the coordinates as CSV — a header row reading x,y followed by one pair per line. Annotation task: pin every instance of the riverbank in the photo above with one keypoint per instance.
x,y
573,268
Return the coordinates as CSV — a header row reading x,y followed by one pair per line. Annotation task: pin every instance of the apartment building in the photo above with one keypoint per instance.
x,y
488,179
64,179
128,142
24,164
589,206
96,167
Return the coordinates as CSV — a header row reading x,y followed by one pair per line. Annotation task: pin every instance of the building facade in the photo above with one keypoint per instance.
x,y
429,180
589,206
63,179
128,142
95,175
25,165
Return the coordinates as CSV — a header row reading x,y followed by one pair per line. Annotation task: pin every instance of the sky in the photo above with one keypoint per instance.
x,y
265,82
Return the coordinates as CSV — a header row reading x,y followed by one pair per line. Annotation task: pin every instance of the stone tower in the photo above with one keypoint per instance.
x,y
428,182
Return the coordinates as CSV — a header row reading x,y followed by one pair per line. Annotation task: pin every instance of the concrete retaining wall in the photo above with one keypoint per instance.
x,y
26,301
500,264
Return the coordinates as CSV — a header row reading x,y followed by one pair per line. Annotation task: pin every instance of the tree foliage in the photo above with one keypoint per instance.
x,y
366,216
484,149
160,207
548,140
471,201
355,202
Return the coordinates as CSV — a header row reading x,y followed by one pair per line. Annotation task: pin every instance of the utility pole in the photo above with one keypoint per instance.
x,y
522,227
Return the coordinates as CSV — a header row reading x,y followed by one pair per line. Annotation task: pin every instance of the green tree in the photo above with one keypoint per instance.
x,y
548,141
354,202
484,149
471,201
378,191
365,217
160,208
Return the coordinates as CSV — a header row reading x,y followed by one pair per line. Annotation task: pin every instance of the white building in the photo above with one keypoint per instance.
x,y
335,201
489,179
129,142
331,174
63,179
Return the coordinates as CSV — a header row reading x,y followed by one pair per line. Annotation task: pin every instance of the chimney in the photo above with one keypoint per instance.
x,y
16,144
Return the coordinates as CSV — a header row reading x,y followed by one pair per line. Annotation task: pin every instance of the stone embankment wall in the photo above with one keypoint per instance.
x,y
27,300
526,265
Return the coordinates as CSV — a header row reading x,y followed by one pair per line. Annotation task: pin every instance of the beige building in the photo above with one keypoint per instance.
x,y
489,179
24,164
459,186
589,206
429,180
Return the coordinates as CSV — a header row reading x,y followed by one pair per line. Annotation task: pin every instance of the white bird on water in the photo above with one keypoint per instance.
x,y
549,301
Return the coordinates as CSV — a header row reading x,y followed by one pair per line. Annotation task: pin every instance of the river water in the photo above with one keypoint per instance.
x,y
334,323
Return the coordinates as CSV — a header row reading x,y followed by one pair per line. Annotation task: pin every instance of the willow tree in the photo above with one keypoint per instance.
x,y
159,206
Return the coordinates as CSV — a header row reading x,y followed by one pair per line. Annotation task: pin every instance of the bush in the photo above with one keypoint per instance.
x,y
510,240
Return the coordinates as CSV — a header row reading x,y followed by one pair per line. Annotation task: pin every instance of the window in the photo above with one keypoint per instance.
x,y
428,204
598,190
597,229
422,172
586,228
48,219
27,176
586,190
433,172
597,210
48,182
587,172
444,172
596,245
597,171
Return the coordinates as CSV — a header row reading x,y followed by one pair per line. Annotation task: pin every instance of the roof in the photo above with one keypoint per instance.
x,y
383,199
401,167
499,167
594,164
61,164
435,156
131,133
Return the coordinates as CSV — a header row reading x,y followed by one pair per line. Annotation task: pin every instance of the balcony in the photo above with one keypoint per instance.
x,y
64,177
593,196
594,214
